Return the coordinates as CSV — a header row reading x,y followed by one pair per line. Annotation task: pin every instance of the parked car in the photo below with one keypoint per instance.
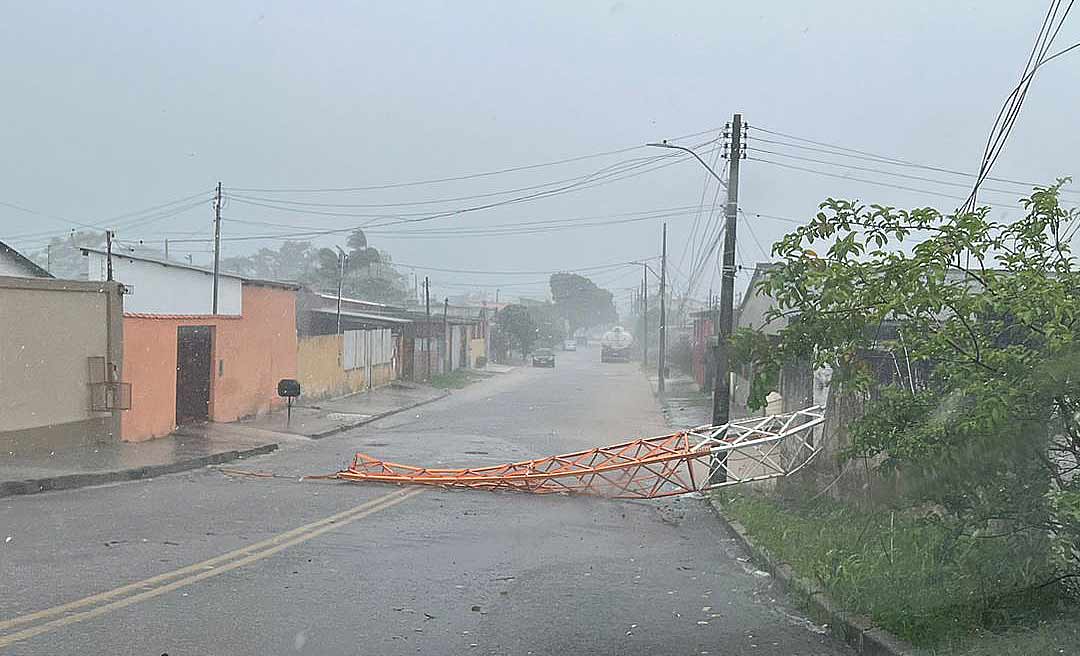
x,y
569,345
544,357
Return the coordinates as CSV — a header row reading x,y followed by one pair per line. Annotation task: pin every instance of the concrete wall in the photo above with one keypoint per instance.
x,y
48,330
250,355
168,289
321,375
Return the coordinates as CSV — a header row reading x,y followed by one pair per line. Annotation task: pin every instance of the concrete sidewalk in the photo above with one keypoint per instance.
x,y
683,404
29,471
323,418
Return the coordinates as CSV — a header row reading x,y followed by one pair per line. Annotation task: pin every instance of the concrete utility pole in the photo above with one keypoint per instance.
x,y
342,258
48,257
108,254
217,245
722,383
166,249
427,326
660,357
645,314
448,361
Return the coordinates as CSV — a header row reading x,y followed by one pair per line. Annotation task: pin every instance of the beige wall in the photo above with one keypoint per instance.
x,y
477,349
321,376
48,330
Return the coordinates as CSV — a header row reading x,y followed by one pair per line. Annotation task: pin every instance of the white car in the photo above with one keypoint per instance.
x,y
569,345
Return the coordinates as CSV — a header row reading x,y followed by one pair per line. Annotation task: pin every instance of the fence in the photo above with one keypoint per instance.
x,y
367,348
333,365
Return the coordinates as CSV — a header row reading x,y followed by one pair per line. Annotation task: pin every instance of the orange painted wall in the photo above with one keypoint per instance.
x,y
251,354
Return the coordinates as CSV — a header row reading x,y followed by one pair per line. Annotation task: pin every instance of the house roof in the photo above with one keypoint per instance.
x,y
346,299
374,318
191,267
24,261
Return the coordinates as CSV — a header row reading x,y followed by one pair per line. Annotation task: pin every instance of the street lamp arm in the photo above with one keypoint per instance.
x,y
646,265
665,144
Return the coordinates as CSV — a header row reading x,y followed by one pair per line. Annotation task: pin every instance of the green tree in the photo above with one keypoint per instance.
x,y
581,302
989,311
516,324
63,256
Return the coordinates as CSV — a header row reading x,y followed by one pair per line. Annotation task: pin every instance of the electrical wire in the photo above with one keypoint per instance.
x,y
467,176
873,182
1010,109
602,177
880,171
854,153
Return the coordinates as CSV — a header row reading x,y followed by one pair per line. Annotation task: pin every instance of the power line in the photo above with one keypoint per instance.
x,y
1010,109
880,171
873,182
630,163
138,217
598,267
498,230
874,157
467,176
590,181
750,228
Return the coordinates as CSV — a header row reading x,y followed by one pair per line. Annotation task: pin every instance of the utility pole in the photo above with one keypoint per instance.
x,y
429,331
645,315
448,361
217,245
342,258
722,384
660,357
48,258
108,254
166,249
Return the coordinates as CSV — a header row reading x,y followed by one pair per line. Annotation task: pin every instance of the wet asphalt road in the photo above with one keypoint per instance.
x,y
436,572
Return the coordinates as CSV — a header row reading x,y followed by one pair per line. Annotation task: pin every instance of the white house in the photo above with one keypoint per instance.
x,y
15,264
166,287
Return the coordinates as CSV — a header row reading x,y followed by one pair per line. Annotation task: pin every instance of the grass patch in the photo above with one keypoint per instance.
x,y
456,379
949,595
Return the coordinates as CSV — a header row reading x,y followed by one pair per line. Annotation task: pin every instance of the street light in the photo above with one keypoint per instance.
x,y
722,376
665,144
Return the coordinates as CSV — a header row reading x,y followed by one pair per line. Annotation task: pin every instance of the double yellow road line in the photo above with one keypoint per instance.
x,y
51,619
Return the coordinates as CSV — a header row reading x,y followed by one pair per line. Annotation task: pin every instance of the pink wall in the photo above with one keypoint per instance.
x,y
252,353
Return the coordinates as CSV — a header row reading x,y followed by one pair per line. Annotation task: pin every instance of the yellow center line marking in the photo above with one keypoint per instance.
x,y
143,590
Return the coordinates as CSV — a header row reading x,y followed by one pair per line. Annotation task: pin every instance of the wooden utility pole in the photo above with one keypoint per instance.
x,y
660,357
217,245
428,331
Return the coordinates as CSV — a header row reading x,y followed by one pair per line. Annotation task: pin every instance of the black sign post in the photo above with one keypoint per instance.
x,y
290,389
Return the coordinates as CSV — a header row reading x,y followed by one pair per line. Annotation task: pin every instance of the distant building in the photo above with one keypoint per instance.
x,y
15,264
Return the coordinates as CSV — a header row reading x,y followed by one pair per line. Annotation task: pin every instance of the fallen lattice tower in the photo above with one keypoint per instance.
x,y
694,460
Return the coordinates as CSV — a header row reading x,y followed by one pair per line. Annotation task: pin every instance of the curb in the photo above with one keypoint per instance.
x,y
855,630
73,481
381,415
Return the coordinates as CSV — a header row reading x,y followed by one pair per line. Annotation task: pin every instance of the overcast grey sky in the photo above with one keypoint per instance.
x,y
109,110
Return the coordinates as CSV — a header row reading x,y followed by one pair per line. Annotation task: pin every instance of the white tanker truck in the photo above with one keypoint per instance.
x,y
615,345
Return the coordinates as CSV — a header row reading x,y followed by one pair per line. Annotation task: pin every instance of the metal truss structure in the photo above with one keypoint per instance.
x,y
695,460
